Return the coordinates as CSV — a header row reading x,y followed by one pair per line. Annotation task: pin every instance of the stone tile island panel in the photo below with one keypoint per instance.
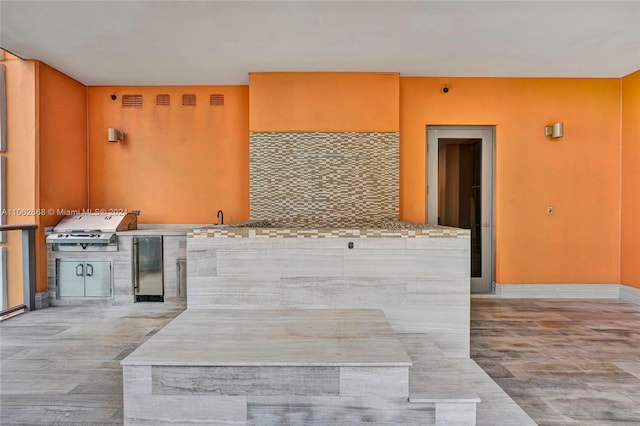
x,y
419,277
324,177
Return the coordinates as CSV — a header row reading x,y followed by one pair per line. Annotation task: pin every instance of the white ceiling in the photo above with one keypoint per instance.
x,y
220,42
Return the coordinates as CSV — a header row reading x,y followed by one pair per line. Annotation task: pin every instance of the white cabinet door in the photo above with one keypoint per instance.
x,y
84,278
97,281
71,278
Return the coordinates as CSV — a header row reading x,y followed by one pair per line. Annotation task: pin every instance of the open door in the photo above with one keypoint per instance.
x,y
460,191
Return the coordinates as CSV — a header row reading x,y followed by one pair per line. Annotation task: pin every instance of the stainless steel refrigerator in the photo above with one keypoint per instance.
x,y
148,280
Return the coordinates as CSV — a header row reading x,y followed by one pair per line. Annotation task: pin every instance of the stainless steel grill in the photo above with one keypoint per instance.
x,y
90,231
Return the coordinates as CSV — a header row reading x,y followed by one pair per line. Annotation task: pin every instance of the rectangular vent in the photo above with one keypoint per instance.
x,y
217,99
163,100
188,100
132,101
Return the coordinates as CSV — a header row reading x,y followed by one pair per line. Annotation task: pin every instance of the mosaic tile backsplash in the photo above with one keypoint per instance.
x,y
328,179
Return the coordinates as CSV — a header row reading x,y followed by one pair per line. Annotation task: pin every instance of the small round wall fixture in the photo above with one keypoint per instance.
x,y
445,89
114,97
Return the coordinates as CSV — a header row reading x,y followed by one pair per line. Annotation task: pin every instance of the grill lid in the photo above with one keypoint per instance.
x,y
93,223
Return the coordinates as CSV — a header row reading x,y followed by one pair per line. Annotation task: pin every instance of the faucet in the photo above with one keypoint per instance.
x,y
221,217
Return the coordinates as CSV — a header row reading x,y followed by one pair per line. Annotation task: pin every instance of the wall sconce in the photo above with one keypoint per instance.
x,y
114,135
555,130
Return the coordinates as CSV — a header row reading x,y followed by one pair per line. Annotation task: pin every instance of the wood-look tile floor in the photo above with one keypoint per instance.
x,y
564,362
61,366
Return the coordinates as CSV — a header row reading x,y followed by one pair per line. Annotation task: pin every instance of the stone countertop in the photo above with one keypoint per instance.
x,y
387,229
163,229
274,337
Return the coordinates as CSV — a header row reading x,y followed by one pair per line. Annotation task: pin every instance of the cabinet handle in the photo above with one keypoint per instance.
x,y
89,270
79,270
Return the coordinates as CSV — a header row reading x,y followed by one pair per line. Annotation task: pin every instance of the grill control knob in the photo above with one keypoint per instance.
x,y
59,235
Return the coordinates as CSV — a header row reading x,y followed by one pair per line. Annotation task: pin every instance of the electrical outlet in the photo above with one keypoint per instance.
x,y
549,210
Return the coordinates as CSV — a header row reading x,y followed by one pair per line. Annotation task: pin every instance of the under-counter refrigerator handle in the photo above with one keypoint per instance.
x,y
179,281
135,265
89,270
79,270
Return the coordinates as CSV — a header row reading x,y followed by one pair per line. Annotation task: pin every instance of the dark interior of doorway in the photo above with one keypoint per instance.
x,y
460,191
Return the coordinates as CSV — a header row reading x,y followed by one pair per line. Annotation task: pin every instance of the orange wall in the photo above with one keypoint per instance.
x,y
324,102
631,180
62,153
180,164
578,175
177,164
21,85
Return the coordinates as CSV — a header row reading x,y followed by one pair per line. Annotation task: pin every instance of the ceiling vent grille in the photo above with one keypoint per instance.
x,y
132,101
217,99
188,100
163,100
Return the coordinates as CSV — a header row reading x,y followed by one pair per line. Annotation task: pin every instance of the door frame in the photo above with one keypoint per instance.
x,y
486,284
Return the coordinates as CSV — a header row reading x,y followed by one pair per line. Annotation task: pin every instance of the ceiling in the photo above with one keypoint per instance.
x,y
220,42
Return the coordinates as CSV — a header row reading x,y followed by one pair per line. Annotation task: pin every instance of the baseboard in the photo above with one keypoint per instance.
x,y
558,291
630,294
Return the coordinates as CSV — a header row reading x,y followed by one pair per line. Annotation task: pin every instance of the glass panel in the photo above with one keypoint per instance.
x,y
150,266
3,278
460,191
476,211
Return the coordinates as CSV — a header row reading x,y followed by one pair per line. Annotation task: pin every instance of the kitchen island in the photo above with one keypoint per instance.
x,y
418,275
303,325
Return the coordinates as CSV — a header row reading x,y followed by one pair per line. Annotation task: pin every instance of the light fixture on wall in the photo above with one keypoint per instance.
x,y
555,130
114,135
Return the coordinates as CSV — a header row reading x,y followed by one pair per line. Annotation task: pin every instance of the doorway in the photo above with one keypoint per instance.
x,y
460,191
